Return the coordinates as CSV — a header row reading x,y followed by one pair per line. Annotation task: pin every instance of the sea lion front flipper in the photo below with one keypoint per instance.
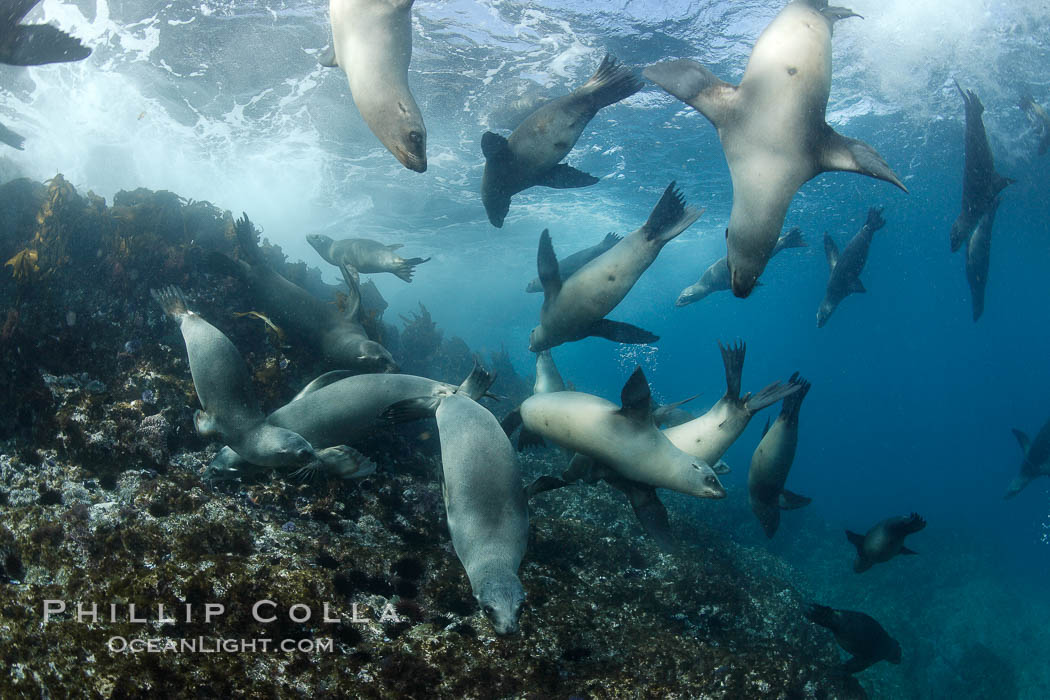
x,y
11,138
344,462
905,550
846,154
620,332
696,86
663,413
495,147
227,464
790,501
649,509
855,540
37,44
858,664
770,395
353,293
856,286
1022,439
831,251
720,467
327,58
527,438
411,409
636,400
564,177
547,266
544,484
323,381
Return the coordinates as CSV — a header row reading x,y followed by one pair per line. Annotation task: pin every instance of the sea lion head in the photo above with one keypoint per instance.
x,y
823,313
376,359
702,481
501,599
538,341
744,275
320,242
688,296
272,446
404,134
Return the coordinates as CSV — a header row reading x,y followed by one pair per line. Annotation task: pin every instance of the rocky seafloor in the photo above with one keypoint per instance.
x,y
102,501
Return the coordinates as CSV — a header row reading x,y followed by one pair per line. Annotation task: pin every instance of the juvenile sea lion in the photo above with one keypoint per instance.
x,y
1041,119
978,258
1036,460
859,634
981,184
372,43
336,334
571,263
576,308
772,461
532,155
709,436
230,411
716,278
884,541
488,516
363,256
339,409
11,138
844,270
34,44
622,438
772,127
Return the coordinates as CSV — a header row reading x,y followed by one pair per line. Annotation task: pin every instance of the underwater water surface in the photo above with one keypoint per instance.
x,y
912,401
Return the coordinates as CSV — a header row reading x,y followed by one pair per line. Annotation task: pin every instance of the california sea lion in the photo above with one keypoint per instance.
x,y
1036,461
981,184
859,634
336,334
978,258
623,438
1042,120
364,256
576,308
884,541
571,263
488,516
339,409
230,411
372,43
844,270
532,155
34,44
709,436
716,278
772,461
772,127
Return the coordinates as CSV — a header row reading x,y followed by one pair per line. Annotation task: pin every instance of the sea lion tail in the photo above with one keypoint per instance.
x,y
733,359
670,216
406,267
172,301
611,83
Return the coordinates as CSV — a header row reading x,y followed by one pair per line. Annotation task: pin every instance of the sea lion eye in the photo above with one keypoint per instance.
x,y
711,481
415,137
488,610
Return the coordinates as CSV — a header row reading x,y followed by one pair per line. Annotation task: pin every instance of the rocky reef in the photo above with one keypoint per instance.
x,y
102,502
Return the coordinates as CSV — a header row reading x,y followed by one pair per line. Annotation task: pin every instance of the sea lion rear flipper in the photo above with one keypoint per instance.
x,y
696,86
856,286
793,402
905,550
511,422
327,58
227,464
791,501
831,251
11,138
670,216
834,14
544,484
171,300
855,540
858,664
650,511
527,438
720,467
37,44
733,360
564,177
411,409
205,424
408,267
619,332
846,154
770,395
547,266
636,399
478,382
611,82
323,381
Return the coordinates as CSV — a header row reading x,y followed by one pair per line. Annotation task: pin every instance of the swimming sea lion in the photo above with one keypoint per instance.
x,y
337,335
1042,120
771,463
571,263
1036,460
364,256
488,516
978,258
772,127
844,270
884,541
34,44
859,634
339,409
709,436
532,155
230,411
623,438
716,278
372,43
981,184
11,138
576,308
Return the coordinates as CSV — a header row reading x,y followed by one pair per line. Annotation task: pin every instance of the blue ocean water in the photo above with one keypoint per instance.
x,y
912,402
